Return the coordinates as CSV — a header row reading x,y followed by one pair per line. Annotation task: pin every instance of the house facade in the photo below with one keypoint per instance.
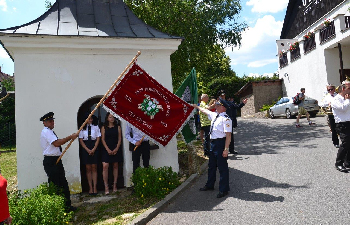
x,y
314,46
65,61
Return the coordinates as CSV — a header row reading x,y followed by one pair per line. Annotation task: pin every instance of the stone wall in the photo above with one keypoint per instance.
x,y
249,108
266,93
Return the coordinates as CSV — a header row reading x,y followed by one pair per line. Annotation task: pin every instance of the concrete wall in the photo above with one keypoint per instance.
x,y
320,66
59,74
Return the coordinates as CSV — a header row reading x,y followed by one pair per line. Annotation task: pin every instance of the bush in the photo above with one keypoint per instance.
x,y
151,182
267,107
38,206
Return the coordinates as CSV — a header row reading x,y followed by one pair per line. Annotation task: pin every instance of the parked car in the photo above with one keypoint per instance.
x,y
285,107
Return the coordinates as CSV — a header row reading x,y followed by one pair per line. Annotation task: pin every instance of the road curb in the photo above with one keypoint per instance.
x,y
147,216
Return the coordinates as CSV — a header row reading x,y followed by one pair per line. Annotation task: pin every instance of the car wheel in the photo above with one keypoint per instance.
x,y
288,114
272,116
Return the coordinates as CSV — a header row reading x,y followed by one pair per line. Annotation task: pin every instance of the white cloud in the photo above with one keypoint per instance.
x,y
3,54
261,63
266,29
267,6
3,5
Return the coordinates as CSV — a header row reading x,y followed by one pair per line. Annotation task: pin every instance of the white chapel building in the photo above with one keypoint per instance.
x,y
64,62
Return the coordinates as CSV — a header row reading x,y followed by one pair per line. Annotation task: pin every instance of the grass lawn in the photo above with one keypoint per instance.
x,y
8,166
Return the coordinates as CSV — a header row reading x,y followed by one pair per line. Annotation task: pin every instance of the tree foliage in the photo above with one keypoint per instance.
x,y
207,26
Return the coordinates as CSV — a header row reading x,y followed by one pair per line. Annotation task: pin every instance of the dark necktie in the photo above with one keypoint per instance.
x,y
89,133
57,138
211,128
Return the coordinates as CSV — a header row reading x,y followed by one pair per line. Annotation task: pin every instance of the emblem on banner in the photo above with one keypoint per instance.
x,y
150,106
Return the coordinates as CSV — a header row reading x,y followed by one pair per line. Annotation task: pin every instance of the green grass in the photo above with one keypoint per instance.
x,y
8,166
120,210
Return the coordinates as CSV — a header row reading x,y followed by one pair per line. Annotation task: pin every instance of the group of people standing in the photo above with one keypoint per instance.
x,y
217,122
90,136
339,122
89,139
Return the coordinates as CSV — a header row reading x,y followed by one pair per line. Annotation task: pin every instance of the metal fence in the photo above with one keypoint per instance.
x,y
7,136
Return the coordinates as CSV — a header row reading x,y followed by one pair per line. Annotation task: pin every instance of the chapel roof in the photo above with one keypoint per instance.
x,y
96,18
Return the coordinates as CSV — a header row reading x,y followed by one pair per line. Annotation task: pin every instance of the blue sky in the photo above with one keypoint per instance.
x,y
256,56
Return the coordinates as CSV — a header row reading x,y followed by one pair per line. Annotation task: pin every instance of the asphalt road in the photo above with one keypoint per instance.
x,y
283,175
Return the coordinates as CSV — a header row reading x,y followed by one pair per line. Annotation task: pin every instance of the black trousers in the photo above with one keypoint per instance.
x,y
335,138
343,156
232,143
144,151
57,175
206,143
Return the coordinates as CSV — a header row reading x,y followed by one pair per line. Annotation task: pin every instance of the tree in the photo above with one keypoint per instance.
x,y
7,116
48,4
207,26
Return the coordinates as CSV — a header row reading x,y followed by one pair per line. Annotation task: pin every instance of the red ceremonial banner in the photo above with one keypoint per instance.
x,y
140,100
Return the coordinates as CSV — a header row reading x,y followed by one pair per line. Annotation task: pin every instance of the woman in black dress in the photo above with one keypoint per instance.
x,y
111,140
89,138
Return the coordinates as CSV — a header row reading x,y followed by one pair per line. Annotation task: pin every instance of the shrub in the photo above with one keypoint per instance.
x,y
151,182
267,107
38,206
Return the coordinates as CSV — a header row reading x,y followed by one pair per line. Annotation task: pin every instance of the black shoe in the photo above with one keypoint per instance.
x,y
222,194
341,169
234,152
205,188
346,167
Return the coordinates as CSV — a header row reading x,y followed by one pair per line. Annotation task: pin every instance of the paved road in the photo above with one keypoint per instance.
x,y
283,175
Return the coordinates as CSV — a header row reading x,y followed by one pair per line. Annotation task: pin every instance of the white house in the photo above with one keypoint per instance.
x,y
65,61
322,30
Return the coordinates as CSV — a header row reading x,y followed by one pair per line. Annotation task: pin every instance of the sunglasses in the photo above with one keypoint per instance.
x,y
331,89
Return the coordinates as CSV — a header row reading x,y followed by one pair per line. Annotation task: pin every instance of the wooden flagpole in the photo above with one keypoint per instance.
x,y
101,101
8,94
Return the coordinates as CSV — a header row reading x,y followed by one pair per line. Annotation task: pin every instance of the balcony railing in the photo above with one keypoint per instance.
x,y
295,54
309,43
327,32
283,59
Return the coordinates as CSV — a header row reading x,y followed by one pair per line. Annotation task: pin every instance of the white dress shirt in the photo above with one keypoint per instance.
x,y
95,133
327,99
136,134
219,126
341,109
46,138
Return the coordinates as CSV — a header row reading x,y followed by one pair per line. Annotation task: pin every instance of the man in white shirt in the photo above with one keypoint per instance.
x,y
326,104
138,138
51,146
341,110
220,136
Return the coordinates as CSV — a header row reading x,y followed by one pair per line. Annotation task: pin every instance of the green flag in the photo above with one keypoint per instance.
x,y
189,93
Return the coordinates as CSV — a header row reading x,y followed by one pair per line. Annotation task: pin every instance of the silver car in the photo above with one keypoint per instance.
x,y
285,107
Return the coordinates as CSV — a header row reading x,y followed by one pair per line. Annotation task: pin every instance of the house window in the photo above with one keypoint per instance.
x,y
309,43
283,59
327,32
347,22
295,54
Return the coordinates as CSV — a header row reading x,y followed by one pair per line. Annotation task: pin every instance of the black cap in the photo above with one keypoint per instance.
x,y
47,116
223,103
221,92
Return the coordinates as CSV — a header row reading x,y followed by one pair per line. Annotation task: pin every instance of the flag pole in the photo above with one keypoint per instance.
x,y
141,142
101,101
8,94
